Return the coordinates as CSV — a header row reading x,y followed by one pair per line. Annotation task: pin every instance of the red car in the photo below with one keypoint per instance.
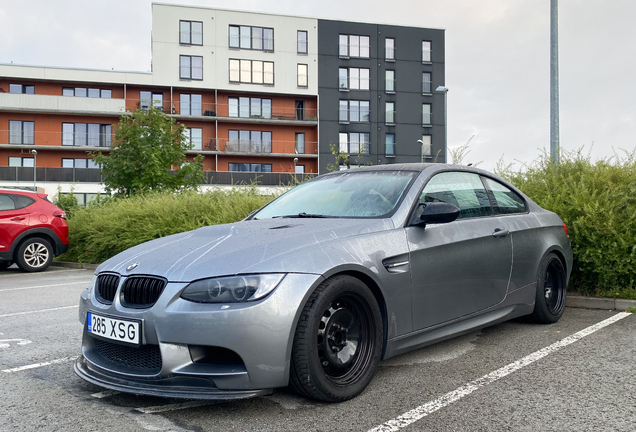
x,y
32,230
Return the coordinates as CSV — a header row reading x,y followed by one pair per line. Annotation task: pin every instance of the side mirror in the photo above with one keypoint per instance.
x,y
435,212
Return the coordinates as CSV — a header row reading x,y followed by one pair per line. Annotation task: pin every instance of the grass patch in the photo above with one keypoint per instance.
x,y
101,231
631,309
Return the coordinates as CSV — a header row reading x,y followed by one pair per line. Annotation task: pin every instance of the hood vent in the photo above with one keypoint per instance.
x,y
107,287
141,292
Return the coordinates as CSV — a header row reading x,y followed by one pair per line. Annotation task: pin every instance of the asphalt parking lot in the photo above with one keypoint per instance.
x,y
576,375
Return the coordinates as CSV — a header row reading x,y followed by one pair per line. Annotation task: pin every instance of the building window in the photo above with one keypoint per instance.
x,y
21,162
191,67
426,147
190,104
194,138
426,51
426,114
190,32
255,38
21,132
354,142
390,113
250,107
353,78
300,143
389,144
354,46
83,134
426,82
302,42
21,89
84,92
148,99
79,163
302,76
245,141
389,49
251,72
389,81
353,111
245,167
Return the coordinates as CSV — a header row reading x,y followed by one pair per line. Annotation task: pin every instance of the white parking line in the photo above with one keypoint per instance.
x,y
422,411
174,407
37,311
49,273
45,286
38,365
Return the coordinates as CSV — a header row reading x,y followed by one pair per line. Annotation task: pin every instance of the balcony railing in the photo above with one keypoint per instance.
x,y
89,175
246,110
79,139
38,102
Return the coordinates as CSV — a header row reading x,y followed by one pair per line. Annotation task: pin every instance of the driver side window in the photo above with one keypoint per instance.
x,y
463,190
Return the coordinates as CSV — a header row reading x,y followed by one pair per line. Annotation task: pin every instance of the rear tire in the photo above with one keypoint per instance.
x,y
338,341
550,296
34,255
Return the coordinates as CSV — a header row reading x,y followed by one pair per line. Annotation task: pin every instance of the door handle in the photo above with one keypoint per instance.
x,y
499,233
18,219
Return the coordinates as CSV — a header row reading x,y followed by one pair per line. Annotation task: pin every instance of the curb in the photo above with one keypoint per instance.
x,y
599,303
74,265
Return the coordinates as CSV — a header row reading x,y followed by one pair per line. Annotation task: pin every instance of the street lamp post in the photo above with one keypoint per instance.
x,y
444,90
35,155
421,143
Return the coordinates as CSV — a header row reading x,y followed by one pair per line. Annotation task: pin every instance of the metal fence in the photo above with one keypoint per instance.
x,y
92,175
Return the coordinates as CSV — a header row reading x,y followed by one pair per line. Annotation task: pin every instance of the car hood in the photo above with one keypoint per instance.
x,y
290,245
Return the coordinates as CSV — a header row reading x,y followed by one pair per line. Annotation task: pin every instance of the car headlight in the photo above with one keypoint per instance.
x,y
232,289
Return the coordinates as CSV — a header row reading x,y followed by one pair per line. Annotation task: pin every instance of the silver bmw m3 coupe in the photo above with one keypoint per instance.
x,y
317,287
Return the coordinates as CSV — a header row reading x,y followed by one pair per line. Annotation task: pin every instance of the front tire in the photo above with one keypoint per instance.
x,y
34,255
338,341
550,297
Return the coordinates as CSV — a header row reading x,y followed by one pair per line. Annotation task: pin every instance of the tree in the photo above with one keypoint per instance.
x,y
147,145
344,158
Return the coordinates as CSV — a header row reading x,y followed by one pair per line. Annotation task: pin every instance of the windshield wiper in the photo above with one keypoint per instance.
x,y
305,215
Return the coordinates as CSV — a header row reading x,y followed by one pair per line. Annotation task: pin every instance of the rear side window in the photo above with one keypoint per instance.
x,y
22,201
464,190
6,203
507,200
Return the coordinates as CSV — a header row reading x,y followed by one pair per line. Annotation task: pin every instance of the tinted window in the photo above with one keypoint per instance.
x,y
22,201
464,190
6,203
507,200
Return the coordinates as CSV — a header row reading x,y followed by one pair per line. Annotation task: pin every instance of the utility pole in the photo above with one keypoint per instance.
x,y
554,82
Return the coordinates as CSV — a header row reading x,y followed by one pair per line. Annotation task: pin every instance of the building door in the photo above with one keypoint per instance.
x,y
300,110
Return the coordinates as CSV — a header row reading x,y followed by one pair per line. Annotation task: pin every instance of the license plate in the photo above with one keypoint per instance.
x,y
114,328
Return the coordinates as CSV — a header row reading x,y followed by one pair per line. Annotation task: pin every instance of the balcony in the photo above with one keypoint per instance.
x,y
86,139
34,103
261,148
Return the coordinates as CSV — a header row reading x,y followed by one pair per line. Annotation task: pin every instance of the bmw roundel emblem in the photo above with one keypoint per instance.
x,y
132,266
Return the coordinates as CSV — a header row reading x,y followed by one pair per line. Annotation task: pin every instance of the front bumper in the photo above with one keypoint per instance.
x,y
260,333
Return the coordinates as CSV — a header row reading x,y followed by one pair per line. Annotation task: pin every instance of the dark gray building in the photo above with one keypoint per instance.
x,y
376,93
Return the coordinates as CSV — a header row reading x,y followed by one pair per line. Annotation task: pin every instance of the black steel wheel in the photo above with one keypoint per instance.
x,y
338,341
551,290
34,255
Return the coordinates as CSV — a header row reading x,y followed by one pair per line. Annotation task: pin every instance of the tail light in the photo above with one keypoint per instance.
x,y
60,214
565,228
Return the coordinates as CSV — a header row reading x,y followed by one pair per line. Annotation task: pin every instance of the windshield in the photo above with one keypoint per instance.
x,y
352,194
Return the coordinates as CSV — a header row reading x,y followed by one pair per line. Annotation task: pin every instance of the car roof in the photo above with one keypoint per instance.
x,y
16,190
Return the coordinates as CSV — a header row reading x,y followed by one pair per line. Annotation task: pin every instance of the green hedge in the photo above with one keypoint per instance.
x,y
597,201
102,230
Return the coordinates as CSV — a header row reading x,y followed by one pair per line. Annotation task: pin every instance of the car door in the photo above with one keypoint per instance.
x,y
12,221
460,267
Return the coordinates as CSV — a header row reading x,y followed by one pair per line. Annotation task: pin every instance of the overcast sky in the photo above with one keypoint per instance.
x,y
497,59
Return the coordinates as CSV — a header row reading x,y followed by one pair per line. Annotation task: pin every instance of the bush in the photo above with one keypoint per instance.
x,y
597,201
104,229
67,202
